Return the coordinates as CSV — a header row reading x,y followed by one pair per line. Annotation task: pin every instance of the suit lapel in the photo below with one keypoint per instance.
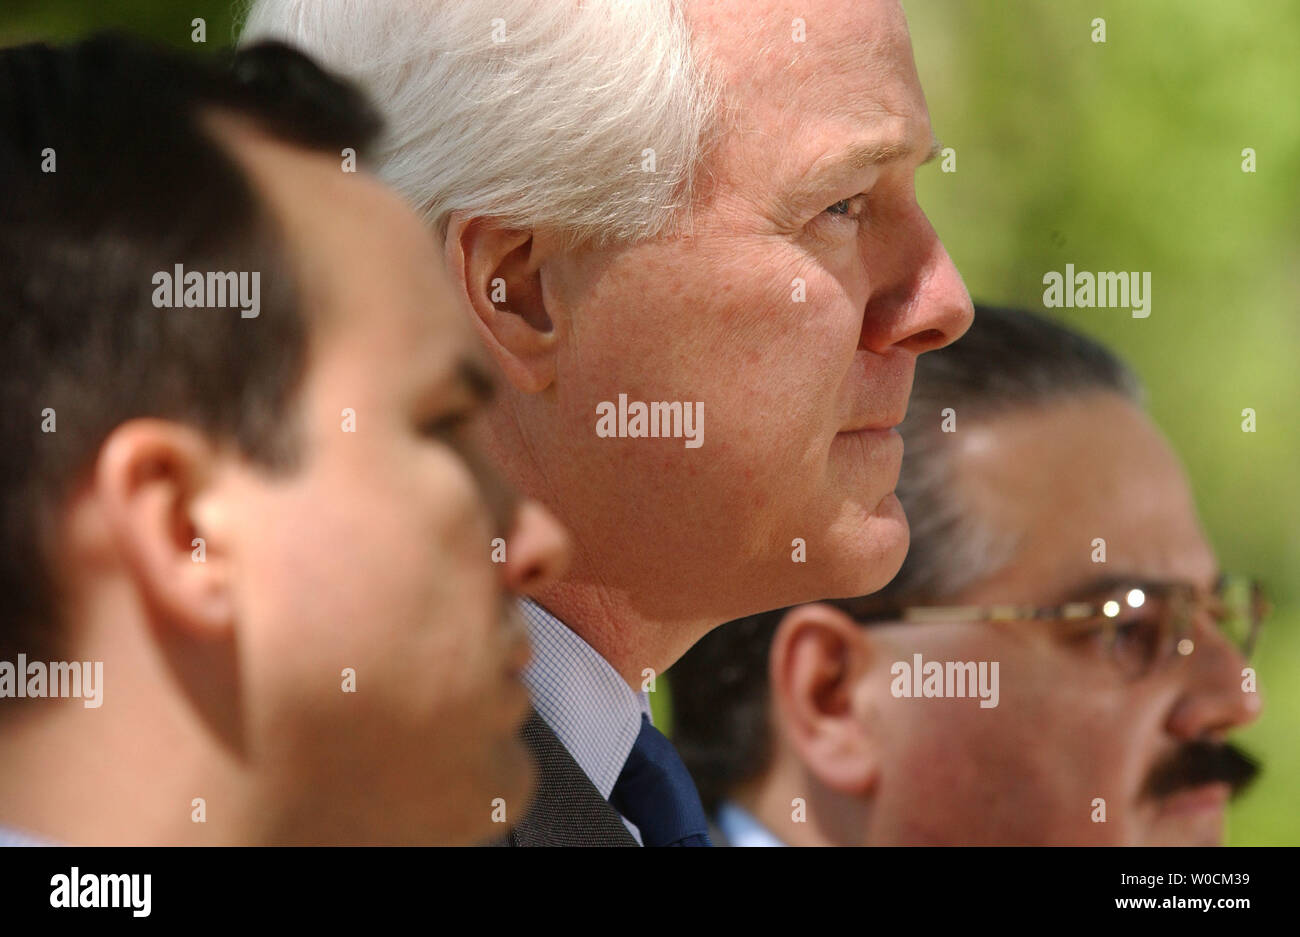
x,y
567,810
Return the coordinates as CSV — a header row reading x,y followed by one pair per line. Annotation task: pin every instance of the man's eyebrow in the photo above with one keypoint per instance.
x,y
864,155
1102,584
856,157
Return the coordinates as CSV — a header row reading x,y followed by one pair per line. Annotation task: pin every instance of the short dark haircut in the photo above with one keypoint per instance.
x,y
1009,360
138,185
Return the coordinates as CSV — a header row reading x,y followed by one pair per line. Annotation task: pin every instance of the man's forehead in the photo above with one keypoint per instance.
x,y
775,48
744,24
1086,489
811,83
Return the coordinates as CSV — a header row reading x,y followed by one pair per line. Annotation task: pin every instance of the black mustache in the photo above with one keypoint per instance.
x,y
1200,762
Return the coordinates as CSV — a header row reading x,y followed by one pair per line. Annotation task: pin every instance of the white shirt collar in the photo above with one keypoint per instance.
x,y
589,707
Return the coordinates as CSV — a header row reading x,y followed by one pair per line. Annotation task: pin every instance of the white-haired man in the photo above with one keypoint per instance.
x,y
694,204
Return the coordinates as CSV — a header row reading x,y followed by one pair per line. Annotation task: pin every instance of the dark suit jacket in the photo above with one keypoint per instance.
x,y
567,810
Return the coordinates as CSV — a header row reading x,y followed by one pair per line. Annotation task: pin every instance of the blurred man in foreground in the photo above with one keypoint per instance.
x,y
1046,668
248,594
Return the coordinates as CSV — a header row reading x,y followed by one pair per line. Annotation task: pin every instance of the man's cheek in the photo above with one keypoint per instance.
x,y
788,310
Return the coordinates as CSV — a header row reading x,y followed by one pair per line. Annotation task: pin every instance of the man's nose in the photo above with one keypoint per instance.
x,y
1213,700
923,303
537,550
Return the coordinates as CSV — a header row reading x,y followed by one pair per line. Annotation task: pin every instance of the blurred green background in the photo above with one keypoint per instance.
x,y
1122,155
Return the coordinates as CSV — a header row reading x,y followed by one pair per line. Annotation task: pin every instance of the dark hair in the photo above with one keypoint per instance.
x,y
137,186
1008,360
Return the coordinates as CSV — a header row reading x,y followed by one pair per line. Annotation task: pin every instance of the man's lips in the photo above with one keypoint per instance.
x,y
879,443
1206,797
882,431
881,425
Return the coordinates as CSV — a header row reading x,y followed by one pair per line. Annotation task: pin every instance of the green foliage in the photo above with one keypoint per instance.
x,y
163,20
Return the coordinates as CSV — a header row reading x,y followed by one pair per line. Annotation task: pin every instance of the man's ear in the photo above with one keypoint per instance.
x,y
495,269
817,668
150,478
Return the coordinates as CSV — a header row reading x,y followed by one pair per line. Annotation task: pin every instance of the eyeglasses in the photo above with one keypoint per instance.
x,y
1140,626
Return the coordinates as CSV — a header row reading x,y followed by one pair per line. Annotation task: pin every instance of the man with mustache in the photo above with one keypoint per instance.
x,y
254,549
1045,669
703,204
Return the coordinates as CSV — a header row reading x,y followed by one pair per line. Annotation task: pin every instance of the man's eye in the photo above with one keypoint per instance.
x,y
1090,640
1137,637
848,209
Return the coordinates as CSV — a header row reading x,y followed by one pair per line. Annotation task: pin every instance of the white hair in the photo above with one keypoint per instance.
x,y
589,118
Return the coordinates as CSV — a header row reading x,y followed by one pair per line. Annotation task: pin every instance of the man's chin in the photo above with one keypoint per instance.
x,y
873,550
1180,828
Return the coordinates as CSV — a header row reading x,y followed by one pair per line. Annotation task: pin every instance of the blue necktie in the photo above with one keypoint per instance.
x,y
655,791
